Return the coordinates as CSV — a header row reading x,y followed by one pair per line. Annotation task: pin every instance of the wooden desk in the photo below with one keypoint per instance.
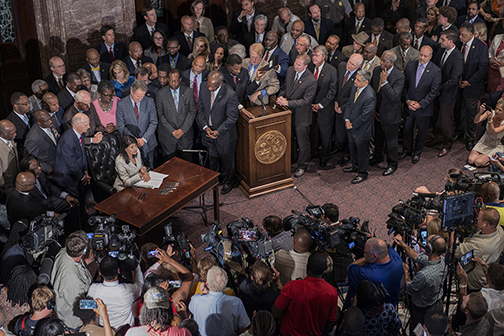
x,y
193,181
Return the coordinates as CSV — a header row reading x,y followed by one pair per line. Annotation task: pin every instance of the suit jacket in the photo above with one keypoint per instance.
x,y
9,163
327,87
141,33
241,87
346,38
53,84
269,82
300,95
451,71
283,61
439,29
104,71
95,124
287,42
40,145
169,119
120,51
326,29
65,99
70,162
384,43
224,114
475,68
463,18
344,90
57,119
146,125
427,89
184,47
21,131
251,38
361,113
426,40
239,29
293,54
388,98
20,206
186,76
336,58
34,104
52,194
411,55
183,63
375,62
131,67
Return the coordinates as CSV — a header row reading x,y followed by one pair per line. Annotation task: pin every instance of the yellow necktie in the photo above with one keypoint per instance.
x,y
357,28
375,42
356,95
97,68
317,30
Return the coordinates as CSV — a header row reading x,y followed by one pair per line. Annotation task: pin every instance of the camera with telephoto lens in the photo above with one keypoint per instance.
x,y
251,238
224,249
473,184
43,230
180,244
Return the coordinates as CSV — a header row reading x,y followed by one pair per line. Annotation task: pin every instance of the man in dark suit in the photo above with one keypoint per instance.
x,y
175,59
19,204
187,36
302,47
334,56
258,34
317,26
388,83
322,105
46,193
369,6
136,57
136,116
217,116
473,9
402,26
99,70
380,37
82,105
57,78
242,22
237,78
421,87
51,105
271,49
142,74
359,112
21,119
41,141
446,19
176,111
355,24
222,36
346,76
110,49
143,33
196,75
419,37
451,62
66,96
297,94
472,83
70,168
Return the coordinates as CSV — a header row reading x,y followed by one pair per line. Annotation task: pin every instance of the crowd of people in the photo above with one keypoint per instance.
x,y
358,76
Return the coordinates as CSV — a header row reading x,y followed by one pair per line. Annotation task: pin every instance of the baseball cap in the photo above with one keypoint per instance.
x,y
157,297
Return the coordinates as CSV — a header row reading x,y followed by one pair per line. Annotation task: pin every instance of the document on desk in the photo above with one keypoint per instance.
x,y
156,179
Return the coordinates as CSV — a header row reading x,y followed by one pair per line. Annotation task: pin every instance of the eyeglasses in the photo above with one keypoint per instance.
x,y
106,95
172,48
59,66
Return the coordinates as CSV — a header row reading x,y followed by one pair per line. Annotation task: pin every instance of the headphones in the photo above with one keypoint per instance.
x,y
51,303
429,247
85,243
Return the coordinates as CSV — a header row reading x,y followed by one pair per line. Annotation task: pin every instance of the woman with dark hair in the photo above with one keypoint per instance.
x,y
217,58
15,296
262,324
158,50
50,327
380,318
129,165
106,105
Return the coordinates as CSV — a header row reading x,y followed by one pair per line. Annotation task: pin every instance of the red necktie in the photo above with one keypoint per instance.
x,y
195,90
80,141
234,79
111,55
316,74
416,45
267,54
345,79
136,111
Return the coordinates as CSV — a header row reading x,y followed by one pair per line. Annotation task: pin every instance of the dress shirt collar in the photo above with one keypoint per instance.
x,y
423,65
449,26
360,90
109,47
175,58
468,45
448,52
471,20
173,91
133,103
198,77
190,35
78,135
71,92
19,115
7,142
56,77
420,39
390,70
216,92
134,62
299,74
249,16
319,68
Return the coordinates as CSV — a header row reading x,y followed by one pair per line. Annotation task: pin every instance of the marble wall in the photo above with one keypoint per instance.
x,y
67,28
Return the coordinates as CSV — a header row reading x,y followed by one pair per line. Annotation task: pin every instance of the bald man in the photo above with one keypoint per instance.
x,y
490,192
19,204
292,264
83,105
136,57
9,158
99,70
41,141
380,263
187,35
57,78
402,26
282,23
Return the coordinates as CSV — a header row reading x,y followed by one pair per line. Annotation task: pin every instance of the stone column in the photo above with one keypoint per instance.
x,y
67,28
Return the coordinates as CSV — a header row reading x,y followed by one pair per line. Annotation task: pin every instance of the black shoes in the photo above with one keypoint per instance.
x,y
389,171
469,145
403,155
344,160
226,189
415,159
358,179
350,169
323,163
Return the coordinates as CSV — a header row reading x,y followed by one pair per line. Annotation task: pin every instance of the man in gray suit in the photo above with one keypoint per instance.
x,y
176,110
9,159
404,51
297,94
41,141
359,112
136,116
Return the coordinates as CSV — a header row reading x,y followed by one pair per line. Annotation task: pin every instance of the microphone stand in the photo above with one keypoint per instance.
x,y
260,97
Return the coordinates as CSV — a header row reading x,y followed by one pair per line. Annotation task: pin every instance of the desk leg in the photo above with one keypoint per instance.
x,y
216,203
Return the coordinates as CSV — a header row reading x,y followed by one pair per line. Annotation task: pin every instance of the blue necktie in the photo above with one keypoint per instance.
x,y
25,118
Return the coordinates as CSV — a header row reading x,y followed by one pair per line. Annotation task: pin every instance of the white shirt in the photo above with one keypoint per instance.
x,y
260,37
134,62
377,39
71,92
448,52
420,39
119,297
21,116
467,48
358,23
50,134
198,79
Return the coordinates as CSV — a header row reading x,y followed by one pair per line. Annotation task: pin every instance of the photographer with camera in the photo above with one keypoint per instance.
x,y
119,297
490,193
42,303
70,277
280,239
426,288
487,243
292,264
380,264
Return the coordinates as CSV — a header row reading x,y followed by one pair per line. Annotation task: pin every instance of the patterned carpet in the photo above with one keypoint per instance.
x,y
372,199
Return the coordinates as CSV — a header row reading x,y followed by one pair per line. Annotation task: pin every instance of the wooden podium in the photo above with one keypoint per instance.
x,y
263,156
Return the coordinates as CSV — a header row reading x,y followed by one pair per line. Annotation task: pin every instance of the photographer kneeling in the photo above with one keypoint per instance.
x,y
426,288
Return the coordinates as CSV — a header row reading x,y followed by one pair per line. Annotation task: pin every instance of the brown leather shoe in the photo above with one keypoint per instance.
x,y
443,152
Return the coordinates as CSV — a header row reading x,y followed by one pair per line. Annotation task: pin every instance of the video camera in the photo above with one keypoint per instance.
x,y
43,231
473,184
223,249
179,243
255,242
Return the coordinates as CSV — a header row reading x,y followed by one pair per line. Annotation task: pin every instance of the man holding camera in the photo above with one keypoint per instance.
x,y
426,289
